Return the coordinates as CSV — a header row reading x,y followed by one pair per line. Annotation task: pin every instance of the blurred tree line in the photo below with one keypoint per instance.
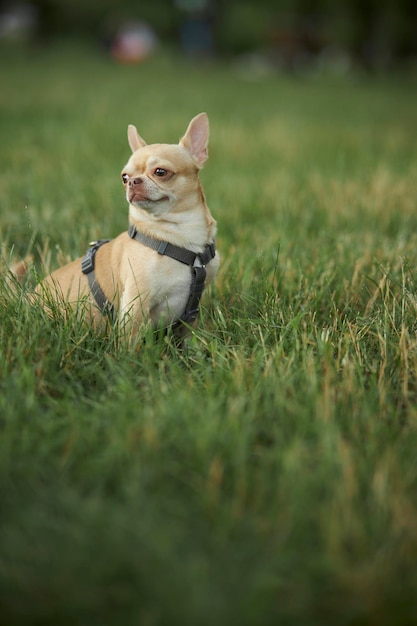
x,y
371,32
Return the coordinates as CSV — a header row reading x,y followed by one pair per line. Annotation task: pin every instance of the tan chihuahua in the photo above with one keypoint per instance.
x,y
156,271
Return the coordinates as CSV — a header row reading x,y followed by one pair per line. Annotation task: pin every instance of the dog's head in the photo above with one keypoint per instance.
x,y
162,178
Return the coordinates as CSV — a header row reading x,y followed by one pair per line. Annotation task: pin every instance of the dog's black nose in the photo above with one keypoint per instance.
x,y
135,181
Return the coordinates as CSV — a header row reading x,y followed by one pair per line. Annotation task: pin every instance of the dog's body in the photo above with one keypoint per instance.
x,y
166,203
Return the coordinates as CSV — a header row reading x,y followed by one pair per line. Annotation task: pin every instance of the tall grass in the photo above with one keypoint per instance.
x,y
268,473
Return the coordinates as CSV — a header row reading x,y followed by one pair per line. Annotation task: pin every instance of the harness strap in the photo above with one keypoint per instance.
x,y
198,279
188,257
87,267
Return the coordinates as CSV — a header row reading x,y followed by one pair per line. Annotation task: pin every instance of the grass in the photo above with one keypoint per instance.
x,y
268,474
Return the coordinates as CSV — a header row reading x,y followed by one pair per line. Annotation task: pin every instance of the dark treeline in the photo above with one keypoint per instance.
x,y
371,33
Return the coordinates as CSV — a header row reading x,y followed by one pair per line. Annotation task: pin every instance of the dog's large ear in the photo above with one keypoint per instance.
x,y
134,139
195,140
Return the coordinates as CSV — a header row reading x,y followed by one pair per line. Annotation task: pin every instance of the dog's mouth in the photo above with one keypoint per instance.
x,y
138,198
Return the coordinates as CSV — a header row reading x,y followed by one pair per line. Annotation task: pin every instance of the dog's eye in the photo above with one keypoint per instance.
x,y
160,171
125,178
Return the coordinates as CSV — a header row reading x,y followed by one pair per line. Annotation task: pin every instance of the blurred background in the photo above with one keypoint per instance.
x,y
271,35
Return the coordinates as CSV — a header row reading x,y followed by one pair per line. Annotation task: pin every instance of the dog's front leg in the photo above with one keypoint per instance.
x,y
134,315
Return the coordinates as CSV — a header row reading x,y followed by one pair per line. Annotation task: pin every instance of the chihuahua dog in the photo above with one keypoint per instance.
x,y
156,271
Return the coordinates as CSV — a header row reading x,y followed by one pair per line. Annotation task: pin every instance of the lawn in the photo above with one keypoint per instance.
x,y
267,474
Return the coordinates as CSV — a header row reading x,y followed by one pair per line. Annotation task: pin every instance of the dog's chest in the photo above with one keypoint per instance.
x,y
171,292
157,286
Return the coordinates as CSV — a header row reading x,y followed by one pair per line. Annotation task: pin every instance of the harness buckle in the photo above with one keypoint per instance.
x,y
162,247
207,255
132,230
87,264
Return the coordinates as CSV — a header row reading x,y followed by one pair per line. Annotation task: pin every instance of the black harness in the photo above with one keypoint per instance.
x,y
87,267
183,255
